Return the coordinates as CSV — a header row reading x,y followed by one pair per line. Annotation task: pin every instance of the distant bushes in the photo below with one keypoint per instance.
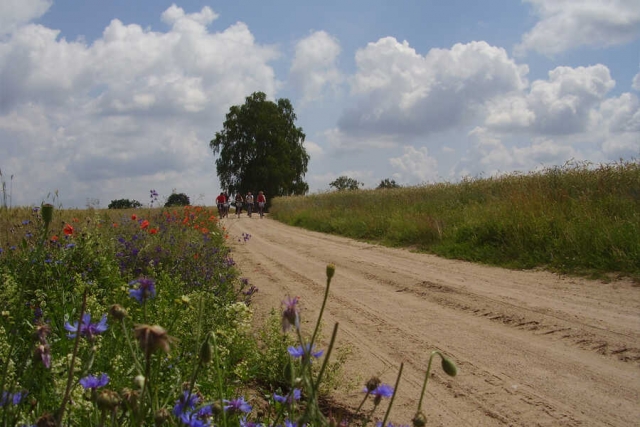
x,y
124,204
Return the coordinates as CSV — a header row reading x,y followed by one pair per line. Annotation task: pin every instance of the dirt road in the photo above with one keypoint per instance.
x,y
532,348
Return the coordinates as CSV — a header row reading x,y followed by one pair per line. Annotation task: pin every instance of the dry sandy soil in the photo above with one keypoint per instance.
x,y
532,348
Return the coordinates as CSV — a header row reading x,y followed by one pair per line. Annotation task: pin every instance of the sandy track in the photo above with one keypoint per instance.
x,y
533,348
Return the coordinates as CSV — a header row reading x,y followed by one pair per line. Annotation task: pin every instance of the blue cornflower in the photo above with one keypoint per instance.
x,y
298,352
191,419
237,405
146,289
289,398
86,328
91,382
383,390
186,401
12,398
25,222
70,245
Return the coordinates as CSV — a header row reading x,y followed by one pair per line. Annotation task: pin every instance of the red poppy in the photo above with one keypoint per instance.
x,y
134,217
153,231
144,224
115,224
68,229
54,238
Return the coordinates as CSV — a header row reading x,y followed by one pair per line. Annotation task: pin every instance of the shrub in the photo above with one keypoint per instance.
x,y
124,204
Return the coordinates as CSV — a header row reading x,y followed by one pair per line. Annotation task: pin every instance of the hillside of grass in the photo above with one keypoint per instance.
x,y
574,219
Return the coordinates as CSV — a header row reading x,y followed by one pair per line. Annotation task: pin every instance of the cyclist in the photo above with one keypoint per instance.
x,y
249,200
221,201
262,200
239,202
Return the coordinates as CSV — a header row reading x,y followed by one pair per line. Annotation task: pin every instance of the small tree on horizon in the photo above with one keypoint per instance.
x,y
387,183
177,199
344,182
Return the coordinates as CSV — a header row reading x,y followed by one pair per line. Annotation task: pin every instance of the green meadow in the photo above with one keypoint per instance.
x,y
574,219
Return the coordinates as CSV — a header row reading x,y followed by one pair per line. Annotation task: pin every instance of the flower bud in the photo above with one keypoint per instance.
x,y
206,352
449,367
419,420
108,400
118,312
152,338
139,381
161,416
331,270
373,384
46,420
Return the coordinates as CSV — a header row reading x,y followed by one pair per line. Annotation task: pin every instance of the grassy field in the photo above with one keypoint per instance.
x,y
574,219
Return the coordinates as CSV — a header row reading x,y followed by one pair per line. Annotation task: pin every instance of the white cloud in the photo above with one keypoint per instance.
x,y
313,149
489,155
342,142
402,93
415,165
566,24
314,65
635,84
14,13
560,105
133,110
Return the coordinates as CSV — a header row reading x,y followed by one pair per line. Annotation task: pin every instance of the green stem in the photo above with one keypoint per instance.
x,y
426,378
219,377
65,399
393,397
324,303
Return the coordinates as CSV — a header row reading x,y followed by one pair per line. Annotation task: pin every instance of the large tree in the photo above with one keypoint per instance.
x,y
261,148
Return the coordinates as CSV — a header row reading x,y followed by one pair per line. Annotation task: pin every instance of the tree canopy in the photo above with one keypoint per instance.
x,y
260,148
177,199
345,183
387,183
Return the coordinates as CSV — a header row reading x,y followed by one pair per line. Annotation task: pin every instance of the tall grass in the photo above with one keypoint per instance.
x,y
573,219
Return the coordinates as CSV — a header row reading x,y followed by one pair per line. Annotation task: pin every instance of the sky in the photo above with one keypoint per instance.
x,y
105,100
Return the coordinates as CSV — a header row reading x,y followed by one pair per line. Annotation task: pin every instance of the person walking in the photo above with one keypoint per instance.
x,y
249,200
239,202
262,201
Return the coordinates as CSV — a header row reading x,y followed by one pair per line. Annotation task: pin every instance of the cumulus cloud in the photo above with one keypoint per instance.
x,y
489,155
134,109
14,13
415,165
402,93
567,24
314,65
342,142
560,105
313,149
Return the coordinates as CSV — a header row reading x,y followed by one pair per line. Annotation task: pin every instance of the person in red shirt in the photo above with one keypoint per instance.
x,y
262,201
221,201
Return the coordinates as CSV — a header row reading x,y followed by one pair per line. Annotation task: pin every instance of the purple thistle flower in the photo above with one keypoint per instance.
x,y
237,405
91,382
299,351
86,328
146,289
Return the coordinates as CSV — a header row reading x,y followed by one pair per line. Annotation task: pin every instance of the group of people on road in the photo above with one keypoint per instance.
x,y
223,203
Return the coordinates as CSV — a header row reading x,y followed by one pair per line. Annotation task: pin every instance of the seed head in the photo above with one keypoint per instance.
x,y
152,338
